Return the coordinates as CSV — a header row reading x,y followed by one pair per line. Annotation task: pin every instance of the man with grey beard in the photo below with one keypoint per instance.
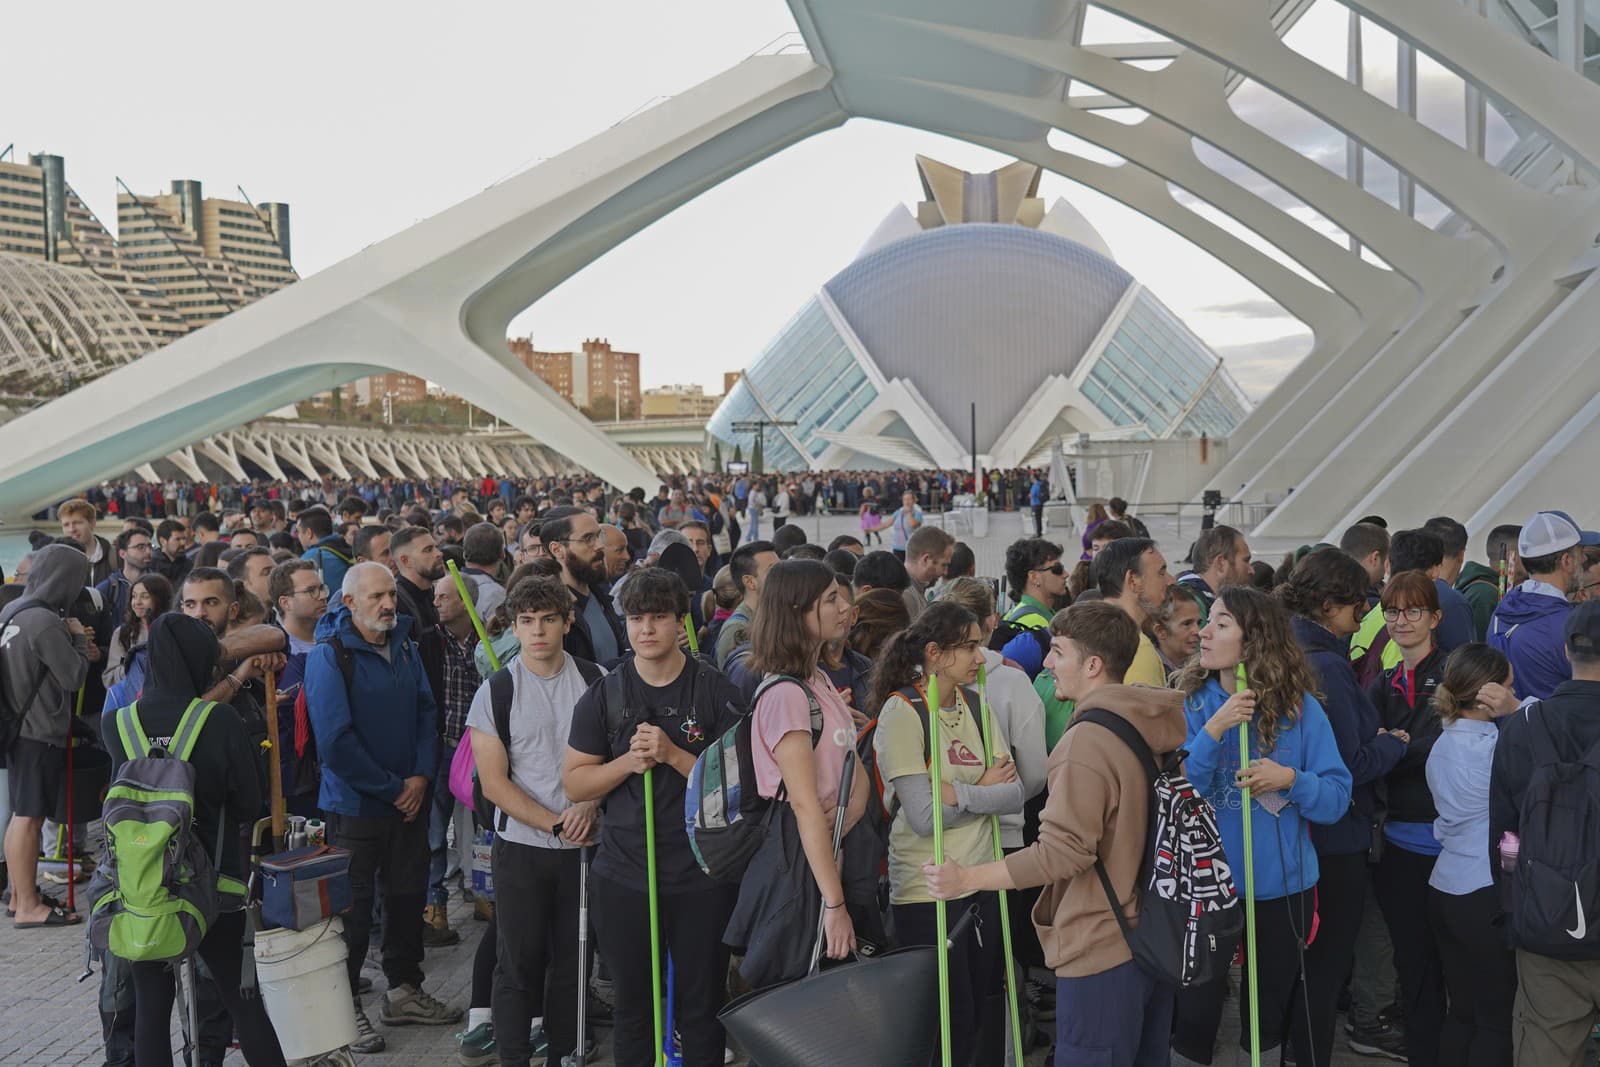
x,y
379,743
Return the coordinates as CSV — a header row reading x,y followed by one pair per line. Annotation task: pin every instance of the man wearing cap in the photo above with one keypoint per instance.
x,y
1556,997
1528,623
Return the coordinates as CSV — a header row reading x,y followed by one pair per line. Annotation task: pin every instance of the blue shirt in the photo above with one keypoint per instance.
x,y
1036,493
1458,778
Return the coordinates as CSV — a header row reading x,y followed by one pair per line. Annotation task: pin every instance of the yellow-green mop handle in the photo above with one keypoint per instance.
x,y
472,613
1243,683
999,854
935,756
655,919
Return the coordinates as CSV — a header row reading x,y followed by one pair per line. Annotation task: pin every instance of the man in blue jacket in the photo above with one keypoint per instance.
x,y
1528,624
379,743
325,546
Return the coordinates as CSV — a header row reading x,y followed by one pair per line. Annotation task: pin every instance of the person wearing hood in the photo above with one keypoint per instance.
x,y
379,744
1096,811
182,657
44,660
325,546
1296,777
1528,625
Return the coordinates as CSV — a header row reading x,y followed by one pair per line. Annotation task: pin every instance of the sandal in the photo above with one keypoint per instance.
x,y
54,902
55,917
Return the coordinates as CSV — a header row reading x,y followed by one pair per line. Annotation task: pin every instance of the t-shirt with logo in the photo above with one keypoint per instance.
x,y
784,709
898,744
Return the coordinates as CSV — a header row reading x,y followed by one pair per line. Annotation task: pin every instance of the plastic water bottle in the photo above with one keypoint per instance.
x,y
1510,847
482,870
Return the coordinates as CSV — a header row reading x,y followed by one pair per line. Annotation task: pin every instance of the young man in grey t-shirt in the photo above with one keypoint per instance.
x,y
537,831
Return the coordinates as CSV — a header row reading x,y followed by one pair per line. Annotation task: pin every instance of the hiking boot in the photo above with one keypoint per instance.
x,y
367,1039
475,1048
409,1005
1042,995
482,909
1379,1039
436,932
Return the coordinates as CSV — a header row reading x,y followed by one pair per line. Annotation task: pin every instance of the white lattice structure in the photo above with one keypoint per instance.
x,y
58,323
1453,374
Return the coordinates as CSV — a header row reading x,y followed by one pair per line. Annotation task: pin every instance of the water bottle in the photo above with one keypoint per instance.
x,y
1510,847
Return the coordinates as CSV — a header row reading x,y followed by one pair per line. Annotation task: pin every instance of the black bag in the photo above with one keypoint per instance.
x,y
1189,918
501,691
1557,882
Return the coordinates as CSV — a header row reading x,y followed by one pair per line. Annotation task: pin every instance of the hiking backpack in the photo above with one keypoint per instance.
x,y
1556,887
1189,918
157,892
867,753
727,819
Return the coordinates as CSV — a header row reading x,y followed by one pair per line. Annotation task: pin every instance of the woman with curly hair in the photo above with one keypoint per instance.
x,y
1295,777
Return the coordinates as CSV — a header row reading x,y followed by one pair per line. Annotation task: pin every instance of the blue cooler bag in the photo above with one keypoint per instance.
x,y
305,886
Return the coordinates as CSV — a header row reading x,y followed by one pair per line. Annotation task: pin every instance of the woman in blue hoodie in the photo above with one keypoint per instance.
x,y
1327,596
1296,777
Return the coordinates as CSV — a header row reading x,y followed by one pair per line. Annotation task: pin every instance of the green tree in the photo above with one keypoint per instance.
x,y
756,458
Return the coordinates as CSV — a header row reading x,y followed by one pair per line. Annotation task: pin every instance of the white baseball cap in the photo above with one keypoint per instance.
x,y
1549,532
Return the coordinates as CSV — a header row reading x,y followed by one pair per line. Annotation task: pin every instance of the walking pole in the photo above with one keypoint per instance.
x,y
72,862
472,613
1249,884
274,767
655,921
939,915
999,854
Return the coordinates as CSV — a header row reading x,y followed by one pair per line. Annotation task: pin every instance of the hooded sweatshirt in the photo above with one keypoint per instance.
x,y
1320,792
1019,713
381,731
42,663
1529,627
227,776
1481,587
1098,807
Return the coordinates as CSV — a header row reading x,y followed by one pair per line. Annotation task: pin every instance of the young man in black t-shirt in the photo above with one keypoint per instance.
x,y
660,709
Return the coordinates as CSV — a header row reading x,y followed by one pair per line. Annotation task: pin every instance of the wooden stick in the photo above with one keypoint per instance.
x,y
274,763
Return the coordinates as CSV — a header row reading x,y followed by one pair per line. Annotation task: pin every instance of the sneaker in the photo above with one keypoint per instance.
x,y
436,932
408,1005
1378,1040
538,1042
367,1039
1042,995
363,984
475,1047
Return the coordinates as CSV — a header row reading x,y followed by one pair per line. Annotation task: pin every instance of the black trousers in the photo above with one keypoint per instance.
x,y
1400,881
536,915
398,851
691,931
1480,974
1341,898
974,970
1280,926
483,961
222,949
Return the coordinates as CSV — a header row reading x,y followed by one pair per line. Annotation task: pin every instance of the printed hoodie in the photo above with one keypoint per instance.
x,y
1320,793
1529,628
1098,806
42,663
379,733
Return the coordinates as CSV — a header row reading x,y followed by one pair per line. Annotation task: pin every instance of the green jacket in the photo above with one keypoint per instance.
x,y
1481,586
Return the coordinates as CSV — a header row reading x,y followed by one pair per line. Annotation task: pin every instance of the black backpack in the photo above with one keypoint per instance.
x,y
501,692
1189,918
1556,886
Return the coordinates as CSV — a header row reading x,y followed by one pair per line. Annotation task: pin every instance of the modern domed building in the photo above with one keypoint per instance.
x,y
980,298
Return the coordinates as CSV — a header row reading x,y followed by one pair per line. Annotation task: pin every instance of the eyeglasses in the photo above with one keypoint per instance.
x,y
315,590
1055,568
1411,614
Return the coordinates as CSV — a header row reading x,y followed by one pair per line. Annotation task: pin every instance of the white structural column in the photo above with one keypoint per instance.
x,y
433,300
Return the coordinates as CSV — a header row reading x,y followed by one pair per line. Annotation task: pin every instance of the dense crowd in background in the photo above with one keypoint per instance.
x,y
1422,714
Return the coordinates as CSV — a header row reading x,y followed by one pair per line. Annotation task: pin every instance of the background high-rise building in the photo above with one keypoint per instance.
x,y
598,380
678,402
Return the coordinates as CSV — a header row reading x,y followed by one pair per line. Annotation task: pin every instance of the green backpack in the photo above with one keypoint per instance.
x,y
156,894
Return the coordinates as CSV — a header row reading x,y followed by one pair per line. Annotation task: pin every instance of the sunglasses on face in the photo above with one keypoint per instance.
x,y
1056,568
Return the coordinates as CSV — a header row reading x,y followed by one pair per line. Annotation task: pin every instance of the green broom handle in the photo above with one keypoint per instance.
x,y
999,854
688,629
935,756
472,613
655,920
1243,683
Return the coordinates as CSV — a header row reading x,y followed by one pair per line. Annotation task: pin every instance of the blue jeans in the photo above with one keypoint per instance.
x,y
443,807
1117,1018
752,530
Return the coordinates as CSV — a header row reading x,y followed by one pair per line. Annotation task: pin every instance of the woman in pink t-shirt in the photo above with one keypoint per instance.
x,y
802,608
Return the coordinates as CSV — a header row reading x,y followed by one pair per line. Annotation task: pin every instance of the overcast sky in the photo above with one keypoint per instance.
x,y
367,117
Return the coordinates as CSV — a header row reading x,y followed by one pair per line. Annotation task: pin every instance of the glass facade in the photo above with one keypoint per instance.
x,y
807,375
1150,371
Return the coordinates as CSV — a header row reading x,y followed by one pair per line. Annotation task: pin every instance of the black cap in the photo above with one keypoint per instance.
x,y
1583,628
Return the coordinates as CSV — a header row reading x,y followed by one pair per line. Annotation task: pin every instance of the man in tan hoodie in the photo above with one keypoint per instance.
x,y
1098,808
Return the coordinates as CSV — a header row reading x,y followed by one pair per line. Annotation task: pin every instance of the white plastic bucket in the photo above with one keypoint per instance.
x,y
306,988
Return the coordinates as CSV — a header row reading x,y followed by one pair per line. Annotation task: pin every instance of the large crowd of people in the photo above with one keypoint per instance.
x,y
1423,733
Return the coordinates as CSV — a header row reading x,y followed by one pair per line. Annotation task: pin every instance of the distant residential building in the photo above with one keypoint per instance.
x,y
730,379
678,402
597,380
399,388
